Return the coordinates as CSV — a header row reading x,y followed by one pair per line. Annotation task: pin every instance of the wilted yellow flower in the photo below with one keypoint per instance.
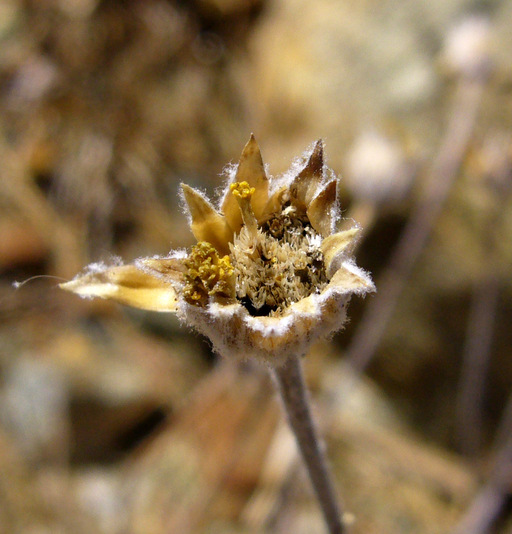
x,y
269,274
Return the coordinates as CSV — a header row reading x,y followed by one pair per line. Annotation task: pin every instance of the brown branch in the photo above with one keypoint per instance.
x,y
484,302
489,502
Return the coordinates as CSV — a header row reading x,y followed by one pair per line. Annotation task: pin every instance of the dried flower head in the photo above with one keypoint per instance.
x,y
269,274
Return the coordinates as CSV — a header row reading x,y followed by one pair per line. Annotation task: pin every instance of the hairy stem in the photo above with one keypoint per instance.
x,y
294,394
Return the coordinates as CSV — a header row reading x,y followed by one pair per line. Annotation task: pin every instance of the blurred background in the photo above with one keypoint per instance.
x,y
118,421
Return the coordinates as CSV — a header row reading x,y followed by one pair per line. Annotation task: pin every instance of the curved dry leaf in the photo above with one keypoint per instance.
x,y
127,285
207,224
170,268
335,245
351,280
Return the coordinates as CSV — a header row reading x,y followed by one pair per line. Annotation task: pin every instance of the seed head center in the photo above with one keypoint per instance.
x,y
277,265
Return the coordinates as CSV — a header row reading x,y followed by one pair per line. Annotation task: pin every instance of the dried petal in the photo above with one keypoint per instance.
x,y
275,202
351,279
207,224
305,185
165,268
336,245
321,212
250,170
128,285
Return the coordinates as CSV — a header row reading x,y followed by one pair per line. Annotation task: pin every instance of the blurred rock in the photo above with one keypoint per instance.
x,y
35,402
20,244
467,48
377,169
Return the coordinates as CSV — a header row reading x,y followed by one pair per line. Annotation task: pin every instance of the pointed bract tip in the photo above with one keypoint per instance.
x,y
67,286
190,196
316,159
251,147
251,163
187,195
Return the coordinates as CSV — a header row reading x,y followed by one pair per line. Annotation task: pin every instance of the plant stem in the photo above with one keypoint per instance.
x,y
290,381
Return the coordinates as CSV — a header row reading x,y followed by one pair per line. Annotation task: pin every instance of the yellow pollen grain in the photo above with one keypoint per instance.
x,y
207,275
243,193
242,190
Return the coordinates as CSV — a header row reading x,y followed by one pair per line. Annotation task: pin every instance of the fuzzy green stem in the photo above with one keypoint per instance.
x,y
290,380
